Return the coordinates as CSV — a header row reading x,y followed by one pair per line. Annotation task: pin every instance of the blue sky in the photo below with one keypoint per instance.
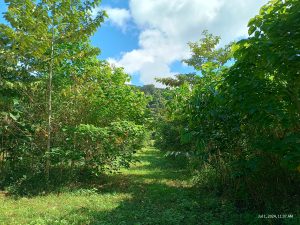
x,y
149,37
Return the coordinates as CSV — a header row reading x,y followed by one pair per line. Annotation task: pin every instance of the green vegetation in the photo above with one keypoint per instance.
x,y
72,129
236,119
65,115
154,191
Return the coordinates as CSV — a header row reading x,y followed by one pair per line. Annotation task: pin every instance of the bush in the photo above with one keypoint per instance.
x,y
86,153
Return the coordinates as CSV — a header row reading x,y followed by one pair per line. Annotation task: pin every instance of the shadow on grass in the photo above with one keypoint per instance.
x,y
157,193
152,202
160,195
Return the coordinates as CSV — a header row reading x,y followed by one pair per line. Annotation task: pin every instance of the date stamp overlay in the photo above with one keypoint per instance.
x,y
275,216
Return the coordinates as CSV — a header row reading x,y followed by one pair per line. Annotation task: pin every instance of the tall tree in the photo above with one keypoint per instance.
x,y
41,35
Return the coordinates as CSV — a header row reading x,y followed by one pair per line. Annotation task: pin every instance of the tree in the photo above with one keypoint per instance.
x,y
89,121
239,124
192,93
41,33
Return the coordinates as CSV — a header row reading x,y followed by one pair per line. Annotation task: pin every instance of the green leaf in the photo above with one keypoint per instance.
x,y
13,117
251,30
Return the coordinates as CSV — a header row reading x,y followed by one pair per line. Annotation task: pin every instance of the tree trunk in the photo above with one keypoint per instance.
x,y
47,167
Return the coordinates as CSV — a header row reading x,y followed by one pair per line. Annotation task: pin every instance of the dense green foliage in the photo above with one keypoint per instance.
x,y
69,120
94,118
238,122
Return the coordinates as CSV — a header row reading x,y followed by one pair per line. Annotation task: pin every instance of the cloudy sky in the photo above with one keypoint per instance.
x,y
149,37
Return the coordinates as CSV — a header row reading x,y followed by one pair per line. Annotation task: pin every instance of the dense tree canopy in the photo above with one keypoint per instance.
x,y
61,107
238,118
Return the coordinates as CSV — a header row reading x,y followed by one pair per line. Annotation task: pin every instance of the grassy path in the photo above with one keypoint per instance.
x,y
152,191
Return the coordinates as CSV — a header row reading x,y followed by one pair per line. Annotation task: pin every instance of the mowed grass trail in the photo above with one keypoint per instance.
x,y
152,191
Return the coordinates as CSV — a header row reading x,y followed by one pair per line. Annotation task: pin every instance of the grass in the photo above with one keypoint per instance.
x,y
153,191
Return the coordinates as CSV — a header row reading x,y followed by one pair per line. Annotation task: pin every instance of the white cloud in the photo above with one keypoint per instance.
x,y
166,26
116,16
